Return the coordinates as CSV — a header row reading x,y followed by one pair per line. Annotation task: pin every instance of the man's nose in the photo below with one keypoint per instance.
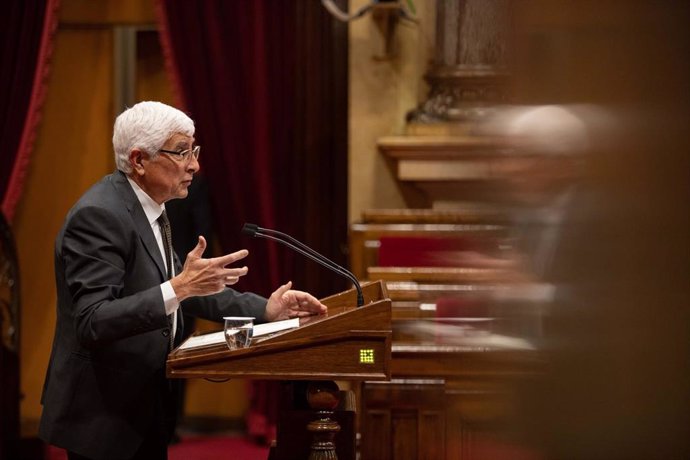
x,y
193,166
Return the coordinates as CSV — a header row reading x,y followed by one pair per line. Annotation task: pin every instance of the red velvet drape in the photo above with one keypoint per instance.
x,y
217,54
27,28
266,83
26,31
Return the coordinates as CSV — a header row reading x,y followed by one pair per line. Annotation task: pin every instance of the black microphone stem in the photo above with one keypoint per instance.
x,y
316,257
311,251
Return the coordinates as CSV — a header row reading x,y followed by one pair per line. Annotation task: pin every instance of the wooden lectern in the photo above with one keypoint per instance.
x,y
347,343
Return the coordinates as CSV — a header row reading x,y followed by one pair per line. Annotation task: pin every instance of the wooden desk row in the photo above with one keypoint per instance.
x,y
442,398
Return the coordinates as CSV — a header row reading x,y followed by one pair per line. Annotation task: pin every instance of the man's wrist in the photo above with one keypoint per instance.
x,y
170,299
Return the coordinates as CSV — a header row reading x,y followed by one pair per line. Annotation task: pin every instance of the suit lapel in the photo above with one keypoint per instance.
x,y
139,219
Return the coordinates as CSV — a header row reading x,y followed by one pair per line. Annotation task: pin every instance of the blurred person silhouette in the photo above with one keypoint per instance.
x,y
616,323
537,175
616,378
121,288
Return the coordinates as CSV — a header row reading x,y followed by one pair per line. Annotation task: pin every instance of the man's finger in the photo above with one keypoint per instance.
x,y
230,258
235,272
309,303
283,289
199,249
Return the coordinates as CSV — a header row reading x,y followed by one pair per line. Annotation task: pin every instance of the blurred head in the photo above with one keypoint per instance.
x,y
547,144
148,141
549,130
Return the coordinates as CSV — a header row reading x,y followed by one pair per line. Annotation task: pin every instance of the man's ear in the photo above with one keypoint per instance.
x,y
136,160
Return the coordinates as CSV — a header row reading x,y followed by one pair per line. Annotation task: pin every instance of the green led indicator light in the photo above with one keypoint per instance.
x,y
366,356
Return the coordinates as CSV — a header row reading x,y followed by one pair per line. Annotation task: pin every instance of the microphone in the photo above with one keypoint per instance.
x,y
283,238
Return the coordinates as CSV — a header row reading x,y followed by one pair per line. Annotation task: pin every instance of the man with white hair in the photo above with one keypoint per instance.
x,y
541,171
121,289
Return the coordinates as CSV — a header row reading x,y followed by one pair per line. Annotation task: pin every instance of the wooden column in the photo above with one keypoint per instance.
x,y
470,68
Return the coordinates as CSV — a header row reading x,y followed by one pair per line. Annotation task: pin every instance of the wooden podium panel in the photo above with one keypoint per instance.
x,y
347,343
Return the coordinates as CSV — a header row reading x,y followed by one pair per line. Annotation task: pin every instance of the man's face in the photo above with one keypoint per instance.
x,y
168,176
534,179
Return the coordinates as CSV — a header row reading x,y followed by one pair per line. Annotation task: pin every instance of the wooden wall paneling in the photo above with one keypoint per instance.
x,y
377,439
403,419
432,434
404,425
455,436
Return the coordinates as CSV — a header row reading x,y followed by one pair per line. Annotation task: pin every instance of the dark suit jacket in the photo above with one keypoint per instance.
x,y
111,340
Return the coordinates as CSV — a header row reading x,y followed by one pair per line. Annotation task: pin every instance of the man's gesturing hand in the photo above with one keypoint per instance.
x,y
207,276
285,303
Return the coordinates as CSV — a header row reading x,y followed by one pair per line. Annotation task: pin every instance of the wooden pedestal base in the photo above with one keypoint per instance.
x,y
323,429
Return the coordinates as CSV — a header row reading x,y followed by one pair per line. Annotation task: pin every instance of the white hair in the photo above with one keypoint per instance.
x,y
550,129
147,126
545,129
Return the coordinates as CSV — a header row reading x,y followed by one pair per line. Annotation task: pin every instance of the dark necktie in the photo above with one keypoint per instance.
x,y
167,247
167,241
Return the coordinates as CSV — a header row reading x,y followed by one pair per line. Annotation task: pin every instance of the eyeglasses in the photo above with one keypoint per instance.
x,y
185,155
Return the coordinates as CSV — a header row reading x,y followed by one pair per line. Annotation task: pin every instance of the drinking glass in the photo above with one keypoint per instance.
x,y
238,331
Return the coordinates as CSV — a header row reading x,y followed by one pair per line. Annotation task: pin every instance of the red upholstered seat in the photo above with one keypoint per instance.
x,y
461,307
461,316
411,251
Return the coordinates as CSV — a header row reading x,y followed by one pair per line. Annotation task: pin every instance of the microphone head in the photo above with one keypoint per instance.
x,y
250,229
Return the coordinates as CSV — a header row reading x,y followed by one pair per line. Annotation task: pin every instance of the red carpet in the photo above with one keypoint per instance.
x,y
217,448
200,448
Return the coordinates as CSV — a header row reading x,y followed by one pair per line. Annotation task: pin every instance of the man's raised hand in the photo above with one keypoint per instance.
x,y
201,276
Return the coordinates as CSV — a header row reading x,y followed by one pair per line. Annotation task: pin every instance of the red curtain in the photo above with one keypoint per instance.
x,y
266,83
26,32
27,28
